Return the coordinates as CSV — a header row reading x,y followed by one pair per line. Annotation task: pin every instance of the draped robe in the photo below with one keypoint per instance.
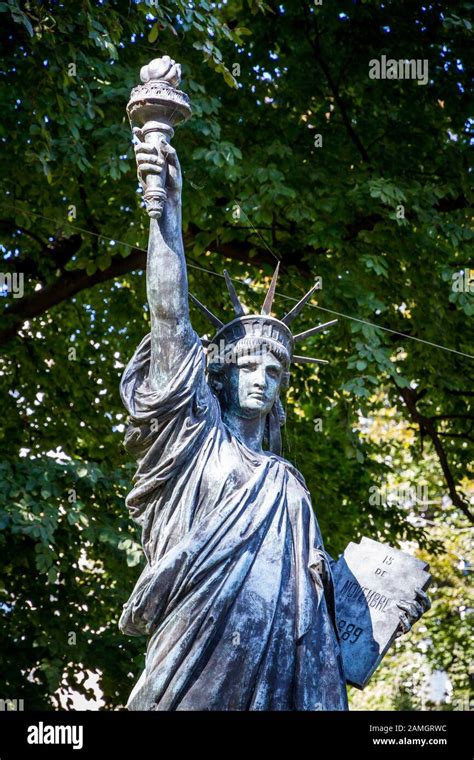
x,y
236,596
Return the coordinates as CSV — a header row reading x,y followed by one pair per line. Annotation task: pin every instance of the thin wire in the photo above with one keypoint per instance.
x,y
362,321
257,231
379,327
243,282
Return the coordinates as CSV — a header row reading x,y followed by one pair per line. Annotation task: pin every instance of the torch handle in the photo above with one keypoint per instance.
x,y
155,193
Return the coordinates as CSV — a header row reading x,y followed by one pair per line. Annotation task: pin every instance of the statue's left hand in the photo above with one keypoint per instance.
x,y
411,611
150,160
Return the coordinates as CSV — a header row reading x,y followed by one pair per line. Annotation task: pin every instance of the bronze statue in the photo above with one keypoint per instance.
x,y
237,596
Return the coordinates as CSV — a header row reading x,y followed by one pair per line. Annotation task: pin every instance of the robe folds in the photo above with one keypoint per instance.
x,y
236,596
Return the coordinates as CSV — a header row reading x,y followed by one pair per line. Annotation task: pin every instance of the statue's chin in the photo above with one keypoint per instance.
x,y
254,407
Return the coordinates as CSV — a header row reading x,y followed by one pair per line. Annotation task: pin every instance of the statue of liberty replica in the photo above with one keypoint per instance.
x,y
237,596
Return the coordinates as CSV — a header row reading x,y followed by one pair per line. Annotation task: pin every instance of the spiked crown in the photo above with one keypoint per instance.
x,y
263,326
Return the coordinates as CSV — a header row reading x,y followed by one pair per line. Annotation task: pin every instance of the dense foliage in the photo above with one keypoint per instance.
x,y
293,153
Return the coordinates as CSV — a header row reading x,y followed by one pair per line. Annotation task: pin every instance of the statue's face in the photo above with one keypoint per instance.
x,y
253,382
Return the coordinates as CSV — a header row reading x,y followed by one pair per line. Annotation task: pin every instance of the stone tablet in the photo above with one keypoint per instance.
x,y
370,579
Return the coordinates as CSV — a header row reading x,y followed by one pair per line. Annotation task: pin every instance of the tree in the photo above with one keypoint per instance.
x,y
293,153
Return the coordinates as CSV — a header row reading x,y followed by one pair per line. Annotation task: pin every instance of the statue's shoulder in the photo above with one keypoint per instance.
x,y
290,467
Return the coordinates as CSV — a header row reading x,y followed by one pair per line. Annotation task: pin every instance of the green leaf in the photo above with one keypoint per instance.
x,y
153,34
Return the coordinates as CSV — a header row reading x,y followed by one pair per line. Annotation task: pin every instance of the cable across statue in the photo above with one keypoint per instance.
x,y
237,597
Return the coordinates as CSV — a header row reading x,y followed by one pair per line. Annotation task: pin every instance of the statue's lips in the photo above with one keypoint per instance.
x,y
258,396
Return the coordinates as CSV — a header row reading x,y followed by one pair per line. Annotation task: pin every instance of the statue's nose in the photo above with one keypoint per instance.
x,y
259,379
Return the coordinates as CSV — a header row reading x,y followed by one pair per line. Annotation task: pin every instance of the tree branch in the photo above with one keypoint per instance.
x,y
316,48
457,435
427,425
69,283
16,227
64,287
452,417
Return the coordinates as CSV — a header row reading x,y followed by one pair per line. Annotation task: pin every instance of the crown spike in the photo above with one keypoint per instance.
x,y
308,360
288,318
313,330
238,308
267,304
211,317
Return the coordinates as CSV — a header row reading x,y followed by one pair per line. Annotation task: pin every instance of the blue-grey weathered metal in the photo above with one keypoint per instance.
x,y
237,596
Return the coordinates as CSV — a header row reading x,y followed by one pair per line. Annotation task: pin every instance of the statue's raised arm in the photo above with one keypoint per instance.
x,y
154,108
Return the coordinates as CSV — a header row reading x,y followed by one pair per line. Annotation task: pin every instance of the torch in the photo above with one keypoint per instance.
x,y
156,106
